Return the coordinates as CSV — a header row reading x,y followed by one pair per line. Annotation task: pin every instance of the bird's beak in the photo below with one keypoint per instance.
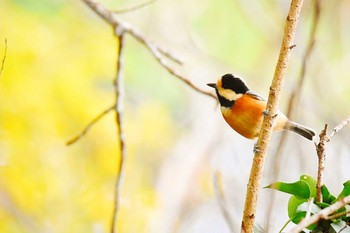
x,y
213,85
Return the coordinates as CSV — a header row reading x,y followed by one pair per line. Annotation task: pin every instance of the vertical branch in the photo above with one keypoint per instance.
x,y
118,89
270,113
320,149
293,102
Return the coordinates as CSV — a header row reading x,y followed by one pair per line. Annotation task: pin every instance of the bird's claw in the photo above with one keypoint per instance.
x,y
267,112
256,148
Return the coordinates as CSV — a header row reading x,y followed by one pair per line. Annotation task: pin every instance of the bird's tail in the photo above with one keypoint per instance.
x,y
301,130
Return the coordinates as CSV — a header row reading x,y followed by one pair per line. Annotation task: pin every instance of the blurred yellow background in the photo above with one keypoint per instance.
x,y
58,76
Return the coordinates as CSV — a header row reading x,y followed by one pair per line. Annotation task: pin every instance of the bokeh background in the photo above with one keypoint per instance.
x,y
58,76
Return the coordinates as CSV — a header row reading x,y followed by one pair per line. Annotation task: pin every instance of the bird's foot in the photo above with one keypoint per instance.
x,y
266,112
256,148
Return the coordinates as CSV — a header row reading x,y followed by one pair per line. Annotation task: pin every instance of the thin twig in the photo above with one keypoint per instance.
x,y
323,214
220,197
320,149
4,58
88,126
339,127
164,63
134,8
111,18
119,108
294,100
337,215
271,110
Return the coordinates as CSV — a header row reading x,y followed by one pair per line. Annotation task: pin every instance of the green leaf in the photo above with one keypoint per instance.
x,y
293,204
346,190
326,195
323,205
301,210
299,216
304,188
311,182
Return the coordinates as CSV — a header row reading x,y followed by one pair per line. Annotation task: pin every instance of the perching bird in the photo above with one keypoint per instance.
x,y
243,110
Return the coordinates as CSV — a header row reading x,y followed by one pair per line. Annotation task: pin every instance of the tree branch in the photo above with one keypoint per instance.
x,y
88,126
119,108
111,18
339,127
271,110
156,51
323,214
320,149
293,102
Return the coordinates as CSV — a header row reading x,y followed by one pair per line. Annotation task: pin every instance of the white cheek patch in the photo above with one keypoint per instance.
x,y
229,94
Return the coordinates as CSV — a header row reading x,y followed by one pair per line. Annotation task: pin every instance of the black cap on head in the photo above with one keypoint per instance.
x,y
228,81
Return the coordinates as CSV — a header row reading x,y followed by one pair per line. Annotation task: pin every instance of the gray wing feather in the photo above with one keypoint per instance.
x,y
255,96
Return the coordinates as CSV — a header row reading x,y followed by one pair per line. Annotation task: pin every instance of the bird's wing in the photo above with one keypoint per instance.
x,y
255,96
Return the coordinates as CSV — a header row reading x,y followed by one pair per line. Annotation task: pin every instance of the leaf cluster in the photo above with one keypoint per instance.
x,y
299,204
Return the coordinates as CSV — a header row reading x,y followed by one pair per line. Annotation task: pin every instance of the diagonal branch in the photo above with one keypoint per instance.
x,y
337,215
164,63
88,126
336,129
111,18
270,112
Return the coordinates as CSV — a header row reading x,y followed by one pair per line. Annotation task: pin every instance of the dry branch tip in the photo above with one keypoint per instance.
x,y
89,125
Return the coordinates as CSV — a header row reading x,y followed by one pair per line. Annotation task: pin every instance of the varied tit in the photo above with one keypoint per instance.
x,y
243,110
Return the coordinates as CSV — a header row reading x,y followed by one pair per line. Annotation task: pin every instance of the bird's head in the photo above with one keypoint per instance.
x,y
228,89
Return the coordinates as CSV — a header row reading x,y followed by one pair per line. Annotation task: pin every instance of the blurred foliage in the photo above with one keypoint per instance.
x,y
58,76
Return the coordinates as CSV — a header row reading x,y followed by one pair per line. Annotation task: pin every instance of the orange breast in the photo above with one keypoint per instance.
x,y
246,116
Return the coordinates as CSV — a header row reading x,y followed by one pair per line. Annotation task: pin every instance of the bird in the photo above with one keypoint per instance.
x,y
244,110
